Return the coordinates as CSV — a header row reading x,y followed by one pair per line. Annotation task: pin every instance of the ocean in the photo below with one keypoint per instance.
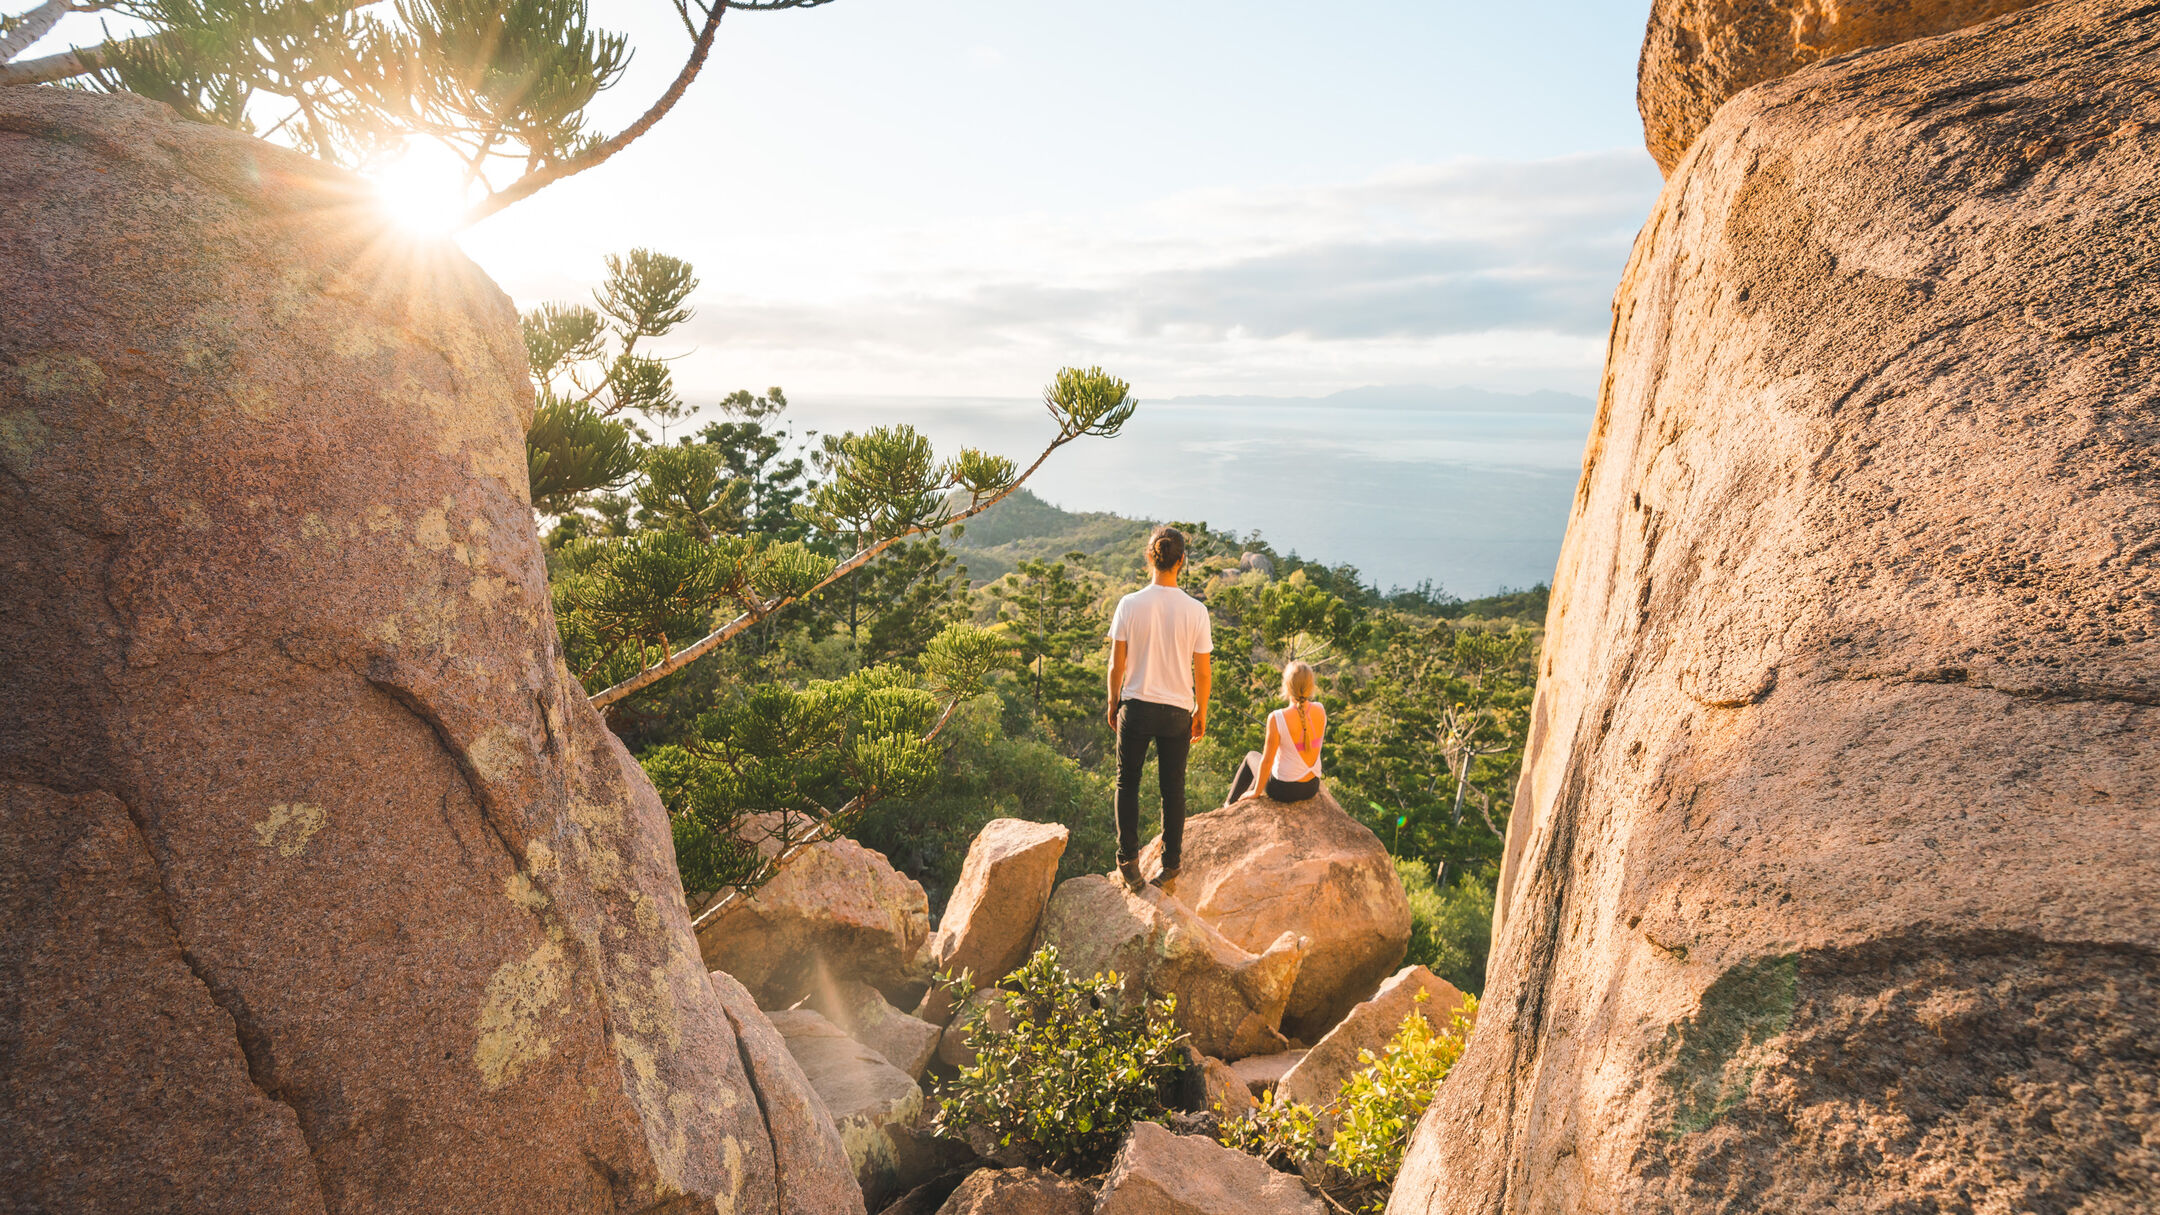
x,y
1468,489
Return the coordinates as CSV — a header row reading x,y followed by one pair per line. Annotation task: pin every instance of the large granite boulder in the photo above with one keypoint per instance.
x,y
1698,53
1160,1172
323,887
991,918
1830,880
835,911
1229,999
1317,1077
1260,868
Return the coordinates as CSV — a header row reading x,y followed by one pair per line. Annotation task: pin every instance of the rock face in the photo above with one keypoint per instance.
x,y
991,918
1018,1192
320,872
871,1102
812,1162
1698,53
836,911
1230,1001
1319,1075
1160,1173
1836,827
1258,869
1212,1086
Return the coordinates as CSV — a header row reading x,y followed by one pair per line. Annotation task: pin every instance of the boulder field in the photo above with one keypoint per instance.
x,y
324,888
1830,885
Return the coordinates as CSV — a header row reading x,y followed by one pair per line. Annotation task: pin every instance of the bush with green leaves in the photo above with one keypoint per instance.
x,y
1079,1065
1373,1115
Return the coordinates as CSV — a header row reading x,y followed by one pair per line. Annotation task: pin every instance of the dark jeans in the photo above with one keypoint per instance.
x,y
1170,728
1248,774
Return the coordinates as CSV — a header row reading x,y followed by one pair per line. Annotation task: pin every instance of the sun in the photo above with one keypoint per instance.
x,y
422,190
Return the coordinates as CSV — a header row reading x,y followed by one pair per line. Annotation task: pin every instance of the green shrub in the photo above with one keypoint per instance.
x,y
1374,1114
1450,930
1076,1069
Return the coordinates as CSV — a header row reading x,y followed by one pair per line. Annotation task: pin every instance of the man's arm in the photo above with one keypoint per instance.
x,y
1203,682
1117,682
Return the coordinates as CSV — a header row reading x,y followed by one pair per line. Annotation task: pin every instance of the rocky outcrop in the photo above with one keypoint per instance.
x,y
810,1158
835,911
863,1014
1318,1077
873,1104
1698,53
1160,1173
1829,882
1018,1192
1258,869
991,918
321,877
1230,1001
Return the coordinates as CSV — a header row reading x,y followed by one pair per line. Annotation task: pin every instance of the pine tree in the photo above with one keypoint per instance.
x,y
504,84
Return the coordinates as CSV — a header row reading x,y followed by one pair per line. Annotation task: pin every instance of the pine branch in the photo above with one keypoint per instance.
x,y
533,183
734,628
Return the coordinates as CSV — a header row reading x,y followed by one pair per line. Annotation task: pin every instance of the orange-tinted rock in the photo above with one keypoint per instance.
x,y
1318,1077
1229,999
1698,53
813,1167
995,907
1018,1192
1160,1172
324,887
1830,881
835,911
1260,868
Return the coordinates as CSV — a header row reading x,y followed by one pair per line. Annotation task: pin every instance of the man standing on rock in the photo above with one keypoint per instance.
x,y
1160,642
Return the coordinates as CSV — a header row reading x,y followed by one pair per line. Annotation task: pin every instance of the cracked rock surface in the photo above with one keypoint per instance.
x,y
1830,885
324,889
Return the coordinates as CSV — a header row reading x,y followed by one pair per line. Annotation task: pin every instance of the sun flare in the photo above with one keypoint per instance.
x,y
423,190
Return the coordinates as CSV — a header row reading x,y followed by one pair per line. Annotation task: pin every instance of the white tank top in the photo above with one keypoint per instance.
x,y
1292,764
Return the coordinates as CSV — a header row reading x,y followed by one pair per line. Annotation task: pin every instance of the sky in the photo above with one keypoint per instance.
x,y
918,211
957,197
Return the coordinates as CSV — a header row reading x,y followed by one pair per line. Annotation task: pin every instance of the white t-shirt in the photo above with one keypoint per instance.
x,y
1162,628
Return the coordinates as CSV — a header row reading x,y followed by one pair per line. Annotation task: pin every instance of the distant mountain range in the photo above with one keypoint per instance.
x,y
1422,397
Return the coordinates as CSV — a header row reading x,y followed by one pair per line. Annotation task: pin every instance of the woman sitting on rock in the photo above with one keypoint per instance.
x,y
1292,758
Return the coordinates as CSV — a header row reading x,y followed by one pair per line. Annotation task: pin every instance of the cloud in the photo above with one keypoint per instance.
x,y
1492,272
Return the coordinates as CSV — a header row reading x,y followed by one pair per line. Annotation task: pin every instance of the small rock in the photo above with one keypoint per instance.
x,y
835,910
991,918
1319,1076
1018,1192
952,1047
1230,1001
1159,1173
873,1104
814,1169
1261,1073
1211,1086
863,1013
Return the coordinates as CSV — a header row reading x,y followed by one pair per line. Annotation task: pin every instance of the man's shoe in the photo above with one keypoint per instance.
x,y
1166,881
1130,872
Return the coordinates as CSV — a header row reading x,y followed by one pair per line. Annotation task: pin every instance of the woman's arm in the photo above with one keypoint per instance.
x,y
1267,756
